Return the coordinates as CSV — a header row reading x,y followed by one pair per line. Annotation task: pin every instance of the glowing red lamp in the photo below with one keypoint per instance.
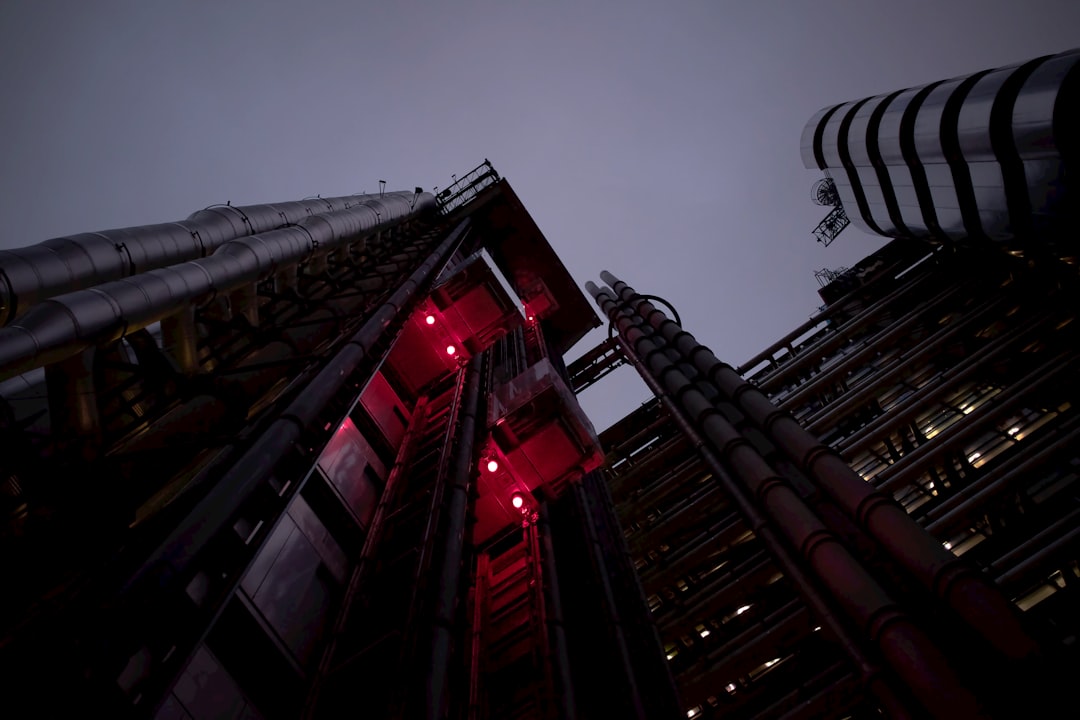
x,y
517,501
430,319
450,349
492,465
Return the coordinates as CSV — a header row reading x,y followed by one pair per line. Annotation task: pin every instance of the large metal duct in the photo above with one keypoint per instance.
x,y
870,606
32,274
62,326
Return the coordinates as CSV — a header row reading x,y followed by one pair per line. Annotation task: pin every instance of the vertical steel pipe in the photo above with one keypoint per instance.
x,y
449,574
564,700
869,673
959,585
636,704
905,647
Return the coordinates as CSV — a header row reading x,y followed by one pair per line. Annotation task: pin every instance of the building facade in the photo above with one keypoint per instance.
x,y
311,459
324,458
931,398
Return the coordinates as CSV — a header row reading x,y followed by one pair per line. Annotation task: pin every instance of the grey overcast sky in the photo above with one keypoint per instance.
x,y
657,140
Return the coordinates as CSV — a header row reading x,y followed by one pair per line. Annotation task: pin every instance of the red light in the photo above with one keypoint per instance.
x,y
450,349
492,465
430,319
517,501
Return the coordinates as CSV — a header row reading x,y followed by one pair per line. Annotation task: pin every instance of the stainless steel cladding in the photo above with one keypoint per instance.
x,y
32,274
65,324
982,156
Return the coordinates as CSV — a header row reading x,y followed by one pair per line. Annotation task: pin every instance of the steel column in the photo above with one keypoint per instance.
x,y
764,529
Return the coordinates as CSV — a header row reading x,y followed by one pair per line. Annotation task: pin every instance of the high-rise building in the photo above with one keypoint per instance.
x,y
907,452
324,458
317,459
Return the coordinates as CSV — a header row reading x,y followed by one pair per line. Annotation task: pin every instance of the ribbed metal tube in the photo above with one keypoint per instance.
x,y
32,274
64,325
901,642
960,586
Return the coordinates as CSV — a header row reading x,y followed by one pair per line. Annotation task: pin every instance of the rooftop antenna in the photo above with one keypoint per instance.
x,y
824,193
382,187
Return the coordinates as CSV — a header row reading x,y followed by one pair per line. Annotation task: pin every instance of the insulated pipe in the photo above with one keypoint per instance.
x,y
720,592
955,510
696,548
673,479
830,342
832,309
212,513
1036,559
849,401
62,265
763,528
951,377
911,654
449,576
914,463
1048,539
870,345
64,325
960,586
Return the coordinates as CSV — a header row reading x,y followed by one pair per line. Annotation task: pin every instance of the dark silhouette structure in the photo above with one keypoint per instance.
x,y
324,458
